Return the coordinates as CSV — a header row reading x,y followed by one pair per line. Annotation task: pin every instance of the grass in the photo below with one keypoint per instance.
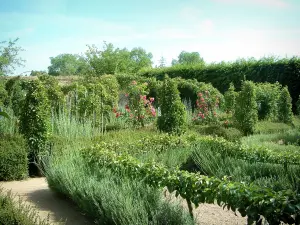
x,y
110,198
9,126
285,141
263,174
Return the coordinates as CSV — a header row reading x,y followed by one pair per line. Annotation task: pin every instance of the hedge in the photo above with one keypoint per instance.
x,y
286,71
13,158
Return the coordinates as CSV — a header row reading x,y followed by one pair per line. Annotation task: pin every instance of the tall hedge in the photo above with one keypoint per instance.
x,y
286,71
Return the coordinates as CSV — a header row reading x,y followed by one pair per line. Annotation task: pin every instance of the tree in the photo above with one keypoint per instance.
x,y
9,57
162,62
68,64
37,73
113,60
188,58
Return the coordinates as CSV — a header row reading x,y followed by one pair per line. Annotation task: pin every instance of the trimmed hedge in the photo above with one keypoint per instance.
x,y
286,71
14,212
13,158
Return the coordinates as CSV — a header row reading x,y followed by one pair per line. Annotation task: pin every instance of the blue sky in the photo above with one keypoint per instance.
x,y
217,29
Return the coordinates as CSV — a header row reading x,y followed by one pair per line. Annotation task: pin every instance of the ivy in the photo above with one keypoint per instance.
x,y
35,119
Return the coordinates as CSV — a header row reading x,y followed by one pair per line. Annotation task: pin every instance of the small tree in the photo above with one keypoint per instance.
x,y
230,97
246,114
173,114
285,113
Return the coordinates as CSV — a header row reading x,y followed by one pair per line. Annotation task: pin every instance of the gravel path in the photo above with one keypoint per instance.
x,y
35,191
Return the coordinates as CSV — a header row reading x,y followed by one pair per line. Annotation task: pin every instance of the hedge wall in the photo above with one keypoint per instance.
x,y
286,71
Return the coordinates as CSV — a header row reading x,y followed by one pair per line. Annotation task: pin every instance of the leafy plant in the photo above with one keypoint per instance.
x,y
35,119
285,113
173,114
245,113
230,98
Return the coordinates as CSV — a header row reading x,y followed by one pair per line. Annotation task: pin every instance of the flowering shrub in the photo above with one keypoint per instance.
x,y
206,108
139,109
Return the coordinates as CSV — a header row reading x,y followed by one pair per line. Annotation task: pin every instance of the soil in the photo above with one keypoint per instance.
x,y
35,192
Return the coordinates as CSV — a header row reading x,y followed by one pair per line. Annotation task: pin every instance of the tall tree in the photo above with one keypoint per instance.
x,y
188,58
162,62
9,56
68,64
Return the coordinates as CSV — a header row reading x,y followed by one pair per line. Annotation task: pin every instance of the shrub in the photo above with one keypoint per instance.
x,y
13,158
207,105
267,96
230,96
35,119
245,114
230,134
173,113
14,212
285,113
268,69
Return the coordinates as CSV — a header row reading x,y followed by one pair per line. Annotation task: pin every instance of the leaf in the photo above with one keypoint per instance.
x,y
4,114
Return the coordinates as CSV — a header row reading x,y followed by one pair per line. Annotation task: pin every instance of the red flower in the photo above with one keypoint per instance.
x,y
151,99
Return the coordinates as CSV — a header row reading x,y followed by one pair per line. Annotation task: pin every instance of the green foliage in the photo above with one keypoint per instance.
x,y
298,105
4,100
68,64
267,96
230,134
15,88
245,113
285,113
173,114
230,98
273,176
13,158
220,75
13,212
114,60
54,92
256,201
9,59
110,198
267,127
139,107
188,58
35,119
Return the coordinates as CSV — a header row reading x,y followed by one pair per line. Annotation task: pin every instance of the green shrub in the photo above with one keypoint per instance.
x,y
267,127
268,69
267,96
298,105
13,212
230,134
285,113
229,97
13,158
245,114
173,113
35,120
108,197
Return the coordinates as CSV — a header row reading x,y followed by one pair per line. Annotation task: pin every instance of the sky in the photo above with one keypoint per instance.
x,y
220,30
